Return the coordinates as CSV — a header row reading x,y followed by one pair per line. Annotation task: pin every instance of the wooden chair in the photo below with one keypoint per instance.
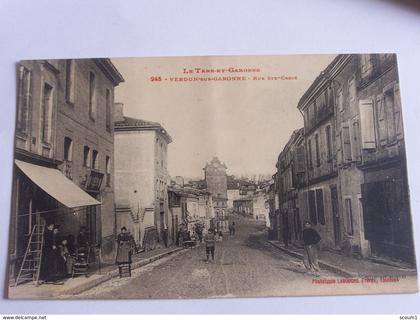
x,y
81,263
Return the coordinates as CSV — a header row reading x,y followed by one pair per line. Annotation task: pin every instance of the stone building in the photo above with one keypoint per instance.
x,y
216,183
318,200
64,151
291,171
141,179
371,158
355,188
189,207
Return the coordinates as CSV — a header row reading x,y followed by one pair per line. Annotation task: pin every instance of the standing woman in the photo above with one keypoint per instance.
x,y
125,245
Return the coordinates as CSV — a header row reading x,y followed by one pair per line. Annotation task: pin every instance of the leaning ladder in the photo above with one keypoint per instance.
x,y
31,264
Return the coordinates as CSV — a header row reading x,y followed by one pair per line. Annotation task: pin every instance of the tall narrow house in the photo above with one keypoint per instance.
x,y
141,179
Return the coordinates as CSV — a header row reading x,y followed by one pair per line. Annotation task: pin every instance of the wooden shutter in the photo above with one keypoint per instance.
x,y
367,124
340,100
398,112
317,155
346,142
389,105
381,118
355,139
300,159
312,206
320,206
310,154
328,142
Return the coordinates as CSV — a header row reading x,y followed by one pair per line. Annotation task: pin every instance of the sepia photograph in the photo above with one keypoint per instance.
x,y
210,177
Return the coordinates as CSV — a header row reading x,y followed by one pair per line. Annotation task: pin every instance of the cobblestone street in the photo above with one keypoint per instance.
x,y
245,265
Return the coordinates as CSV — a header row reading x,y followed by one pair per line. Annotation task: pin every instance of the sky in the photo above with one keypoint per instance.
x,y
244,123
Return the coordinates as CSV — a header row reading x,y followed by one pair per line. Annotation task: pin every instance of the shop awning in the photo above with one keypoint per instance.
x,y
57,185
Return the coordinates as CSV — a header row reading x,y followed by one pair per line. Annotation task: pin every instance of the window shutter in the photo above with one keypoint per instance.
x,y
312,206
380,114
340,100
398,112
355,145
320,206
367,124
389,107
300,159
345,137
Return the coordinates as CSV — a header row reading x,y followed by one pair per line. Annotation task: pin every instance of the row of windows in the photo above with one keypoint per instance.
x,y
70,85
90,158
317,214
318,144
378,123
24,101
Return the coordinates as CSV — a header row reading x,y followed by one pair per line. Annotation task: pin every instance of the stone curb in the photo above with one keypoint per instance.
x,y
322,264
89,284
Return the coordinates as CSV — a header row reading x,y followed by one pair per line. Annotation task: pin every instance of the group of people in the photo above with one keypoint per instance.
x,y
59,253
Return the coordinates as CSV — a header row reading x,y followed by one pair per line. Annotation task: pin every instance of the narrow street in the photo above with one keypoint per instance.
x,y
245,265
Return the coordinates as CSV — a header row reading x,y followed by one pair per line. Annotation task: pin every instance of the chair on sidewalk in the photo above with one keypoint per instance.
x,y
124,270
81,264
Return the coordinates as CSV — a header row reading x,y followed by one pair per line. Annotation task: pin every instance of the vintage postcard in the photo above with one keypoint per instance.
x,y
205,177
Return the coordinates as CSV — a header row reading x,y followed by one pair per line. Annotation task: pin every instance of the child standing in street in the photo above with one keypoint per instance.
x,y
210,241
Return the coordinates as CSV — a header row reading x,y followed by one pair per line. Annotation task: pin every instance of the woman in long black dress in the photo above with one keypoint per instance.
x,y
125,245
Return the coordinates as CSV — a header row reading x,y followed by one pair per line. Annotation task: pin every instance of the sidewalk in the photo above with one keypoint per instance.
x,y
346,266
79,284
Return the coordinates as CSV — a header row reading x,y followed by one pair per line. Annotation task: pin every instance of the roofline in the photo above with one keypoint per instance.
x,y
157,128
110,70
325,76
292,140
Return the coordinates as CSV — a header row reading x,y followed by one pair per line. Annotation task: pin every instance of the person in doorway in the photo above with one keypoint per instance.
x,y
57,261
67,260
233,228
210,242
82,240
180,238
165,236
71,244
125,245
310,240
48,254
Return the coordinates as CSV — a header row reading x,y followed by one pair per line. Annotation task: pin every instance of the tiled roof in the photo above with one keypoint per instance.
x,y
137,124
133,122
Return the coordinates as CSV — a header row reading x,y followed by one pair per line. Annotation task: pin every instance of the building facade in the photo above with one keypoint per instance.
x,y
291,171
141,179
64,151
216,184
354,189
372,165
319,196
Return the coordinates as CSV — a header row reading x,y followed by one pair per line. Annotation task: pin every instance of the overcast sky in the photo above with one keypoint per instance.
x,y
245,123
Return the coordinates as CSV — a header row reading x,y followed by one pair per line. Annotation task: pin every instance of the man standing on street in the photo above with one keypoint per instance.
x,y
210,241
310,240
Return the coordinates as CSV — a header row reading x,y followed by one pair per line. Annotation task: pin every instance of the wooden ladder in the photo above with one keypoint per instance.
x,y
31,264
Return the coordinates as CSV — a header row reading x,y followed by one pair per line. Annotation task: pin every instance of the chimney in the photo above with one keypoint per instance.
x,y
118,111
